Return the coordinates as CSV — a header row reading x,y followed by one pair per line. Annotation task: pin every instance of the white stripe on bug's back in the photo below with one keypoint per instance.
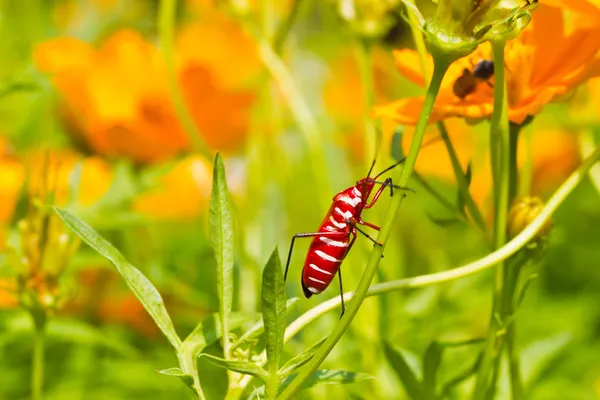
x,y
334,243
353,202
326,256
346,215
313,266
329,228
356,192
316,280
313,290
340,225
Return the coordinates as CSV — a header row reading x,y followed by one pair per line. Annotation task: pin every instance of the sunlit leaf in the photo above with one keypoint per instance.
x,y
413,387
243,367
273,310
221,235
328,377
537,356
300,359
137,282
178,373
209,331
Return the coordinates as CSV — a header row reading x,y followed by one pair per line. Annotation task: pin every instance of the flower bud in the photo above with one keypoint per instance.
x,y
522,212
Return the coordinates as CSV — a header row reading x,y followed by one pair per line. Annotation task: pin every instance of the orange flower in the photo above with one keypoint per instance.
x,y
96,175
117,99
12,175
183,192
542,65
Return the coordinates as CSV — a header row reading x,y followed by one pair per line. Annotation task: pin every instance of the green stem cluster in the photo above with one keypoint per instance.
x,y
441,65
483,264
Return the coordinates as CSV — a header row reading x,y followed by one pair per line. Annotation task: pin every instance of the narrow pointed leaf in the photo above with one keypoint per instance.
x,y
209,331
300,359
243,367
221,236
137,282
328,377
431,363
413,387
397,152
273,310
259,327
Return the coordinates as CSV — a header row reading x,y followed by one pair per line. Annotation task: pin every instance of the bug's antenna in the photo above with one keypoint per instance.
x,y
371,169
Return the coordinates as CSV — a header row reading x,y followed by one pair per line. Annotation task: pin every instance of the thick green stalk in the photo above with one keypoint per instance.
x,y
166,27
461,179
39,344
441,66
483,264
500,144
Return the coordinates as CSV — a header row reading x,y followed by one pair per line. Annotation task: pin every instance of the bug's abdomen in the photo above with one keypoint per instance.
x,y
323,261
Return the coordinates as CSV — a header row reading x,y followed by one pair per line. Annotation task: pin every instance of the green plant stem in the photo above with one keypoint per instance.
x,y
39,344
515,130
166,27
189,366
441,66
461,179
483,264
284,28
500,144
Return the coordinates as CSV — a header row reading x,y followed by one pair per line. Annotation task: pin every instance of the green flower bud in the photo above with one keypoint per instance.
x,y
458,26
520,215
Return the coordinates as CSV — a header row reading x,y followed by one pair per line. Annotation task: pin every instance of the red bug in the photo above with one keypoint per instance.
x,y
337,233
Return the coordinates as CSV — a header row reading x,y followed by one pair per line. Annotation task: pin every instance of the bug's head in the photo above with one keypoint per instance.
x,y
365,186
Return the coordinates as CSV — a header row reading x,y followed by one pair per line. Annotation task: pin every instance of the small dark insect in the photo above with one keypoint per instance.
x,y
468,81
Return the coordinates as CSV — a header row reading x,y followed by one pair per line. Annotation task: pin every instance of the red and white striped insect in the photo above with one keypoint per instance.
x,y
337,233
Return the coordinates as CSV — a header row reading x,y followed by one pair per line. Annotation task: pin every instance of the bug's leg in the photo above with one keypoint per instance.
x,y
305,235
353,224
370,225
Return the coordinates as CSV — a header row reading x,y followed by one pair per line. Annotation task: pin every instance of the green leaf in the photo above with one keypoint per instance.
x,y
137,282
431,362
273,310
221,235
259,327
468,178
328,377
243,367
300,359
413,387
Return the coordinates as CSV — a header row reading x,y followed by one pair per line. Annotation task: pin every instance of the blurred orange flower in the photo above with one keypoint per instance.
x,y
116,97
543,64
12,174
94,181
183,192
